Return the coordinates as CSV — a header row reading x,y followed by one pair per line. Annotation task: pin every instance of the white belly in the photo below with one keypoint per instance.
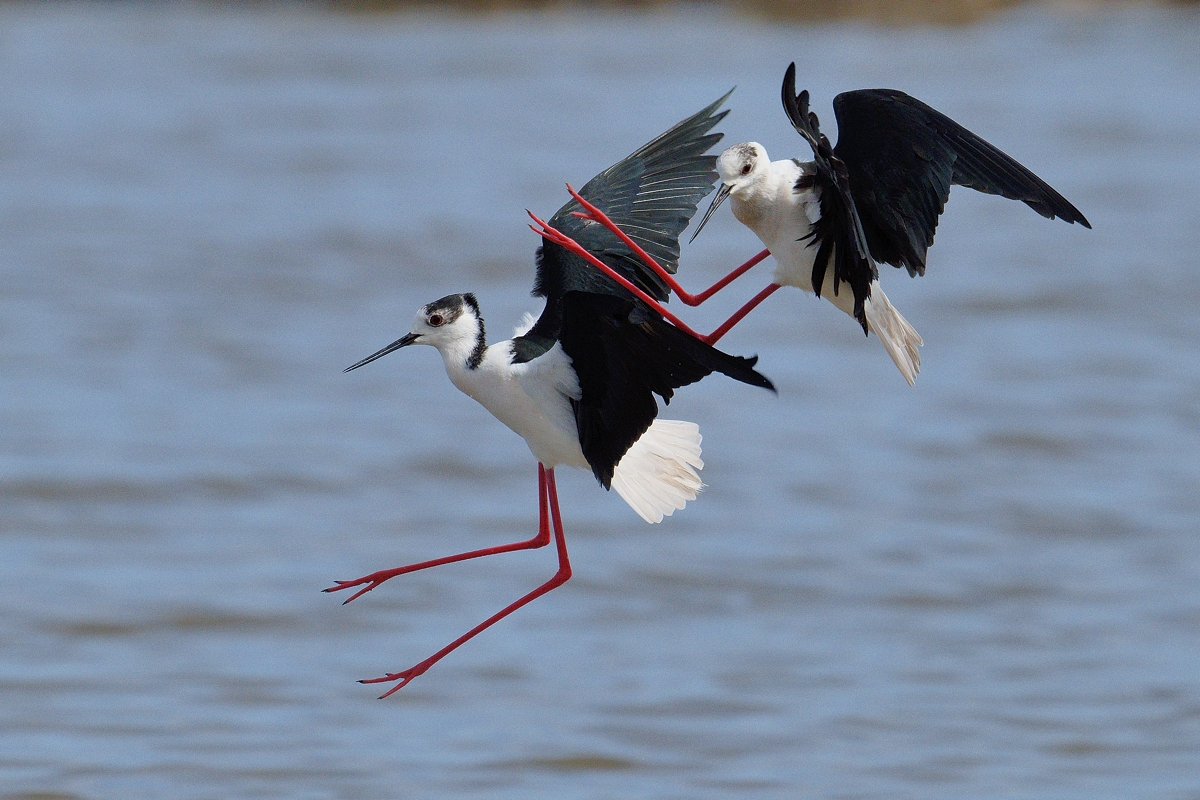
x,y
784,229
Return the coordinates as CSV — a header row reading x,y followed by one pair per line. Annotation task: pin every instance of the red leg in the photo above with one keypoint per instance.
x,y
561,239
741,313
540,540
543,229
596,215
549,493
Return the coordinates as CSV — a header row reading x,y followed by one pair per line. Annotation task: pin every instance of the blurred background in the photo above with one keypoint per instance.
x,y
985,586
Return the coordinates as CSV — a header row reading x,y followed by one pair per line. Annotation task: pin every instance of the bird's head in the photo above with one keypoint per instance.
x,y
450,324
740,165
739,168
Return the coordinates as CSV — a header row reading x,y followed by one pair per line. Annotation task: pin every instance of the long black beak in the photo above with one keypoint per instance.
x,y
722,193
404,341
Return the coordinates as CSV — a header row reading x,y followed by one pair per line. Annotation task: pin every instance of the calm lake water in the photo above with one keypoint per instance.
x,y
987,586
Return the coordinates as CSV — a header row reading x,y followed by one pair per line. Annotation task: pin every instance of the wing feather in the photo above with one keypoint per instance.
x,y
652,195
838,235
903,156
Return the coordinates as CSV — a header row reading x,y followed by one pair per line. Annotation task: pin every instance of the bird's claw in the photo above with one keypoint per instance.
x,y
370,580
405,677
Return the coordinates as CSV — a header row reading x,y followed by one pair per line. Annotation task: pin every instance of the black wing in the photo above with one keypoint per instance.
x,y
838,234
903,156
652,195
624,353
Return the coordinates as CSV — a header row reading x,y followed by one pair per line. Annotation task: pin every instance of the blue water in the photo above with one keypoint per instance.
x,y
987,586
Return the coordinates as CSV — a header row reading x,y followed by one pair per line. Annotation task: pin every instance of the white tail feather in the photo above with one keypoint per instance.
x,y
899,338
658,473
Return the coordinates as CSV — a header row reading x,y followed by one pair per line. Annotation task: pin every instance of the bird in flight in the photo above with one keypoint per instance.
x,y
579,385
875,197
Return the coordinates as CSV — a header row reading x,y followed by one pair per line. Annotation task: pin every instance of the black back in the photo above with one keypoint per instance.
x,y
624,353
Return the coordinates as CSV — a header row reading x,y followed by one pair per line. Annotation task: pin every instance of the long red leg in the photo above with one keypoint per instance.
x,y
741,313
549,493
596,215
540,540
558,237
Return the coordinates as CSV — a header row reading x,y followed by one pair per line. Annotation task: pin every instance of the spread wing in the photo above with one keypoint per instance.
x,y
623,354
903,156
651,194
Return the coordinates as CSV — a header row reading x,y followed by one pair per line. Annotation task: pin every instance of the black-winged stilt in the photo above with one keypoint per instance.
x,y
875,197
579,384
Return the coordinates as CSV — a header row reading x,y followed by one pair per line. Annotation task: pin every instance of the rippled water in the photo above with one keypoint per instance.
x,y
986,586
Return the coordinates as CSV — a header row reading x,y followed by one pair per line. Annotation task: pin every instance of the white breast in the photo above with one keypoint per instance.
x,y
781,217
533,399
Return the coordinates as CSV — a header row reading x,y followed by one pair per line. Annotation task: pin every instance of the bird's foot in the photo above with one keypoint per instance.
x,y
405,677
371,581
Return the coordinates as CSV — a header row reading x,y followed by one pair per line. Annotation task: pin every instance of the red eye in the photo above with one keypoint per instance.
x,y
746,169
435,320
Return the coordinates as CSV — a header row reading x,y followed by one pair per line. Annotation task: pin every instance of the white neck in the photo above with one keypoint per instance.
x,y
457,357
768,200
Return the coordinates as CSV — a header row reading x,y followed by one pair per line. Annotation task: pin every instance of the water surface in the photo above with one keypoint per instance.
x,y
987,586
